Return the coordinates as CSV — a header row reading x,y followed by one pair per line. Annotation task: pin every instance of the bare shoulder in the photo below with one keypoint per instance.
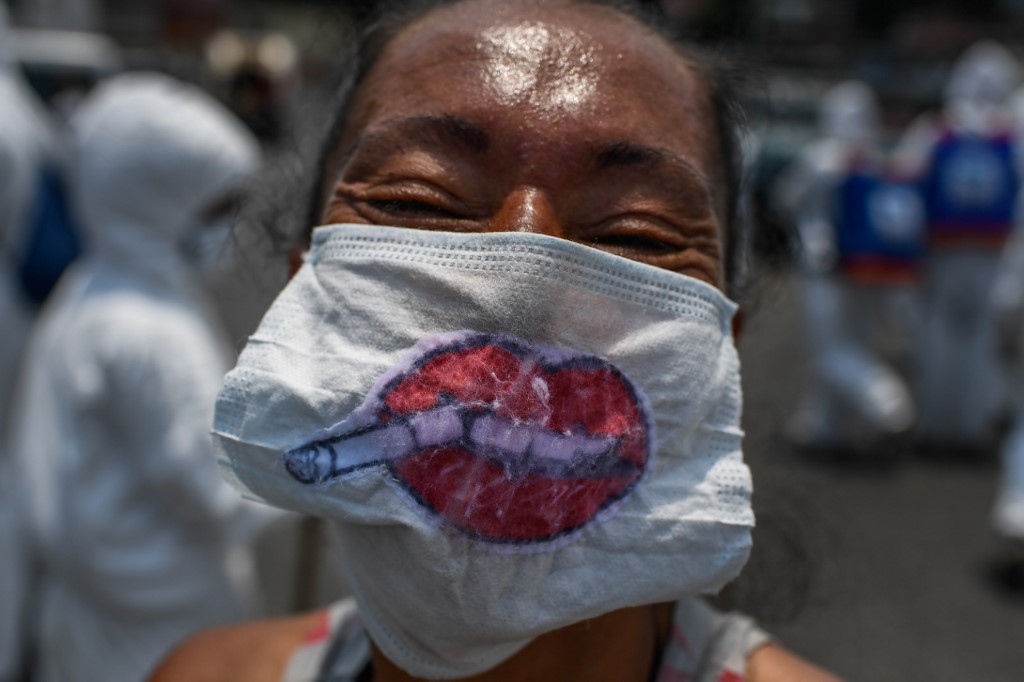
x,y
255,652
772,663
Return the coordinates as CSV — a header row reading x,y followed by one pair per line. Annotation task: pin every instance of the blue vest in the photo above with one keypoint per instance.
x,y
971,187
878,220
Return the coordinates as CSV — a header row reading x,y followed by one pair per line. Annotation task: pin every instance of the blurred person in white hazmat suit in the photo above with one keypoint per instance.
x,y
1008,302
26,144
860,230
133,529
967,155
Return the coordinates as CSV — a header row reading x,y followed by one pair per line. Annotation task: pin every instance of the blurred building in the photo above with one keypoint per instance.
x,y
875,40
271,60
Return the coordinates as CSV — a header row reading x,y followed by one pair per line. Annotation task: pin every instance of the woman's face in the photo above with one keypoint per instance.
x,y
572,121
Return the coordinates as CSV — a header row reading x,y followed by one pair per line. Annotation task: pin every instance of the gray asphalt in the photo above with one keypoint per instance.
x,y
876,572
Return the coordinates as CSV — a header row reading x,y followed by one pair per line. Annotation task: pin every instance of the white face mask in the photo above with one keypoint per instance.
x,y
511,433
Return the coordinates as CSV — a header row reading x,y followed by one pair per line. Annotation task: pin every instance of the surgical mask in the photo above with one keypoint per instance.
x,y
509,432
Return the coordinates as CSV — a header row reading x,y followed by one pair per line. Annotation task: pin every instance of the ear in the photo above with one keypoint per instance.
x,y
294,262
737,325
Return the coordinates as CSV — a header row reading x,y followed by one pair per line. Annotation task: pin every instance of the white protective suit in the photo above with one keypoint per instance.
x,y
854,397
26,141
1008,304
130,518
968,157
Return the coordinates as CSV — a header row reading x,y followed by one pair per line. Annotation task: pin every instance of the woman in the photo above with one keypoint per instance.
x,y
507,376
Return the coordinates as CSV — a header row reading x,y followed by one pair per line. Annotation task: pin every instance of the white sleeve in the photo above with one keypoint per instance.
x,y
913,152
707,645
163,382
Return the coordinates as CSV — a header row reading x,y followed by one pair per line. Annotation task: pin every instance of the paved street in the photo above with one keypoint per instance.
x,y
893,557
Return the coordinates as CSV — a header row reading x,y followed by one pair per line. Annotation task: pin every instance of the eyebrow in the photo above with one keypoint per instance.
x,y
451,128
444,130
658,161
624,153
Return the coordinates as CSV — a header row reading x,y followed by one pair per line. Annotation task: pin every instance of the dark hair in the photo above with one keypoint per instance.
x,y
719,76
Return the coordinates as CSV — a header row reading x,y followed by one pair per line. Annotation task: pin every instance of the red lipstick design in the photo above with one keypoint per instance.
x,y
507,441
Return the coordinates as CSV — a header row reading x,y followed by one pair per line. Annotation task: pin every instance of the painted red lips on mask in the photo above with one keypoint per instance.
x,y
509,442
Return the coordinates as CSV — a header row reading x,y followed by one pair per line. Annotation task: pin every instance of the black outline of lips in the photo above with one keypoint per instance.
x,y
302,462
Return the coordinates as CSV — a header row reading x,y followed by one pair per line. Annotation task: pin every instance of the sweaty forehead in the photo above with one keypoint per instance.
x,y
550,66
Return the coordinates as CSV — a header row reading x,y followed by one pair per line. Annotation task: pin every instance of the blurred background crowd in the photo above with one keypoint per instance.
x,y
883,347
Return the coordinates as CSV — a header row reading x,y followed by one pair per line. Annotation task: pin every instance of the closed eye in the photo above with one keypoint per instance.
x,y
411,207
633,242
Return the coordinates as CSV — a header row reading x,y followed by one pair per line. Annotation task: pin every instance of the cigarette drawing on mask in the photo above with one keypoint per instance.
x,y
504,440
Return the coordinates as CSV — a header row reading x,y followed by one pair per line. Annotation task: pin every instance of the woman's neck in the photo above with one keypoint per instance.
x,y
621,646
